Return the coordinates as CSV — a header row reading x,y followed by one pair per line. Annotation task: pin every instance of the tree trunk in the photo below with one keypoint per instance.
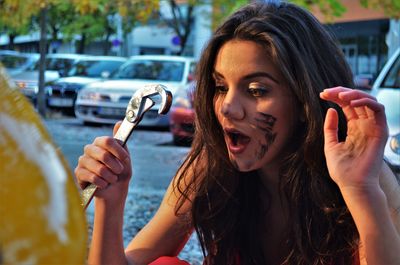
x,y
54,38
106,46
181,24
41,97
81,44
11,38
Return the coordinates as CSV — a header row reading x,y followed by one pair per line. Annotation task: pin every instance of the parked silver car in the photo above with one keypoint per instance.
x,y
386,89
106,101
16,62
57,65
62,93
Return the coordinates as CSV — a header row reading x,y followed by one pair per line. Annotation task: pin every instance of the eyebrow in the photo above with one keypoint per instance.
x,y
250,76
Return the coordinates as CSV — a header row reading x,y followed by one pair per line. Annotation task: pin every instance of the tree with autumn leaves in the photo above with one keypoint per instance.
x,y
89,20
93,19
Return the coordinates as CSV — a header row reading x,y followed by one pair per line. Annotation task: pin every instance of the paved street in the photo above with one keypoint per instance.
x,y
155,161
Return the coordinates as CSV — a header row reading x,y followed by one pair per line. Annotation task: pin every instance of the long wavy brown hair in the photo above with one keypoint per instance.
x,y
225,204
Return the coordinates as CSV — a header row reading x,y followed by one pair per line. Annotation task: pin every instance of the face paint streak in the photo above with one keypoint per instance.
x,y
265,123
262,151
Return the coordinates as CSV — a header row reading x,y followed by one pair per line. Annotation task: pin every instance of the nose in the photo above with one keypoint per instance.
x,y
232,105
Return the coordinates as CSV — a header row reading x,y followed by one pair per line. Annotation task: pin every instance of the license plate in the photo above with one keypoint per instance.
x,y
112,111
61,102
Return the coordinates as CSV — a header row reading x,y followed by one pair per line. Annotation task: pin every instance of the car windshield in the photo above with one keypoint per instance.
x,y
392,79
152,70
94,68
13,61
55,64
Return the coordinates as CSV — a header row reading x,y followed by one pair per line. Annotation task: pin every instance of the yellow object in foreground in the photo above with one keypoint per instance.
x,y
41,220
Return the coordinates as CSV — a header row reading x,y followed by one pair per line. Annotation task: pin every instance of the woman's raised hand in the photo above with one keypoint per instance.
x,y
106,164
356,162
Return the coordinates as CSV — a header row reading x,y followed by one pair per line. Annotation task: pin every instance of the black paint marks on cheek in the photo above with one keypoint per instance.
x,y
260,153
265,122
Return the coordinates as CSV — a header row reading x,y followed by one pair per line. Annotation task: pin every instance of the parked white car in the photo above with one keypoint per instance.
x,y
386,89
106,101
62,93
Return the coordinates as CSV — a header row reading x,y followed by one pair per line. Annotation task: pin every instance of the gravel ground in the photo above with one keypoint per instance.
x,y
155,160
140,208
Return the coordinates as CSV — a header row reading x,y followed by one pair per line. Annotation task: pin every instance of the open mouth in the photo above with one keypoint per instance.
x,y
237,139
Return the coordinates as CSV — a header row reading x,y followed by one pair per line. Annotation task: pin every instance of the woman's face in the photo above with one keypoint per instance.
x,y
256,111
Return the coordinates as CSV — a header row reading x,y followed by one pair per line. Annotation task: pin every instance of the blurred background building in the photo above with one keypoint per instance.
x,y
367,37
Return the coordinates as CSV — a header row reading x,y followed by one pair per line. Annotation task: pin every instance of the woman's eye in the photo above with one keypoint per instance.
x,y
257,91
221,88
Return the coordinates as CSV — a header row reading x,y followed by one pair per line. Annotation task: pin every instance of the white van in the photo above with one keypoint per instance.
x,y
386,89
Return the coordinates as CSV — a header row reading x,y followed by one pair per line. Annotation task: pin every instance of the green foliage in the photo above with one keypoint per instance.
x,y
16,15
21,11
335,8
89,17
390,7
131,11
90,25
329,8
224,8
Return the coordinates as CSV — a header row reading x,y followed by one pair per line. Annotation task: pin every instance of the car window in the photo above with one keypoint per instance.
x,y
152,70
392,79
12,61
55,64
94,68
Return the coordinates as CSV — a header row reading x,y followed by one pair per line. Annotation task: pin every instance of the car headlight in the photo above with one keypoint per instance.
x,y
395,143
90,96
20,84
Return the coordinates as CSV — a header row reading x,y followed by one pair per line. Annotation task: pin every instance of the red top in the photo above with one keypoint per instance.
x,y
176,261
169,261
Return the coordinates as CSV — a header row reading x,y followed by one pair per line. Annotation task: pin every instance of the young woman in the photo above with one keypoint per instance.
x,y
285,164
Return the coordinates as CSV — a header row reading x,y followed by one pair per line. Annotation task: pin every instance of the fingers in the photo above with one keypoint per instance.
x,y
86,176
355,104
332,94
110,145
101,155
371,109
101,162
331,128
